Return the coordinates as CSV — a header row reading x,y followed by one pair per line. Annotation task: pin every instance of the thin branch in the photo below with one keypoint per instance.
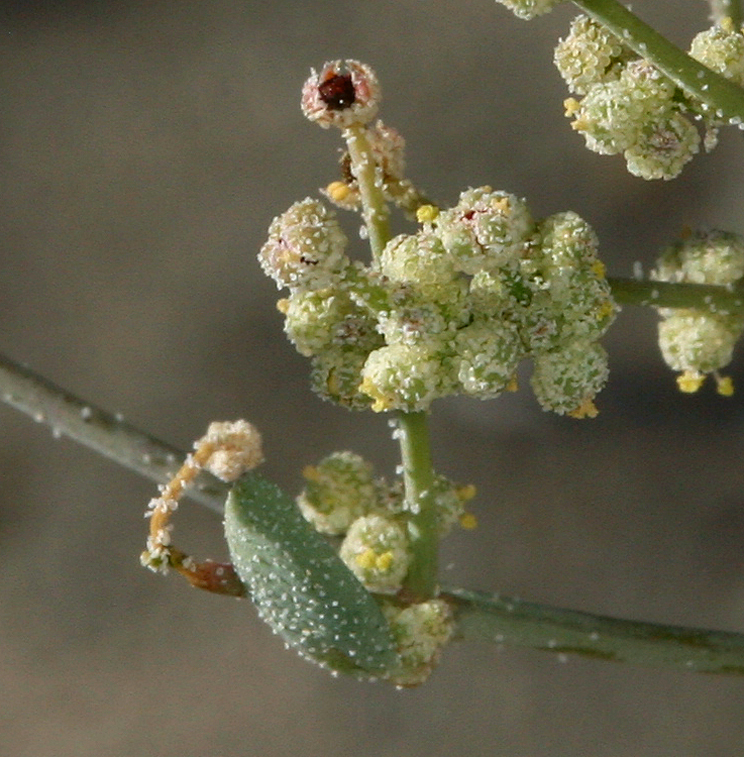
x,y
491,618
719,299
722,95
103,432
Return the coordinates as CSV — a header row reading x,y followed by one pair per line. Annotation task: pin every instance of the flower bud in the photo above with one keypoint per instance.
x,y
485,230
421,631
703,257
589,55
663,148
405,377
339,489
375,549
721,48
567,380
305,248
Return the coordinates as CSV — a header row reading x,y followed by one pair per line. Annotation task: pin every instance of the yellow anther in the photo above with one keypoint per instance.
x,y
599,269
283,305
367,560
384,562
571,104
587,409
426,213
689,382
310,473
338,191
466,492
725,386
468,521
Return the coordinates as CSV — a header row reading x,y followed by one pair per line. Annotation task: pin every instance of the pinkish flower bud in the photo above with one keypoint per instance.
x,y
343,93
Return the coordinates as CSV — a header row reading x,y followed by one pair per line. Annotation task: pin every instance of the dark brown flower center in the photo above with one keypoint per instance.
x,y
337,92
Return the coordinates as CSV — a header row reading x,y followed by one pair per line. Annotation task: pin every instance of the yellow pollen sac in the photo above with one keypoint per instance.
x,y
571,104
468,521
367,560
689,382
310,473
587,409
282,305
466,492
427,213
513,385
338,191
605,309
384,562
599,269
725,386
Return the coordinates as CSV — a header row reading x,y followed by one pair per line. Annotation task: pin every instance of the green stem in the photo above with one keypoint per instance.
x,y
418,477
718,299
375,210
489,617
103,432
723,96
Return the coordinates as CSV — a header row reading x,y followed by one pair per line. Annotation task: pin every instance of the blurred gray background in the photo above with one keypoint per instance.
x,y
144,149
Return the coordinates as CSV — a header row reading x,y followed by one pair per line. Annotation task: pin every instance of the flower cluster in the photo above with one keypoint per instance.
x,y
697,342
630,107
451,309
343,498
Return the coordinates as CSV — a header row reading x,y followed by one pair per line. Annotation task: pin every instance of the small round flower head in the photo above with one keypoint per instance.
x,y
339,489
589,55
663,148
488,352
574,288
405,377
305,248
485,230
449,501
612,115
343,93
567,380
703,257
237,449
375,549
412,323
698,343
336,375
721,48
528,9
421,632
420,260
312,318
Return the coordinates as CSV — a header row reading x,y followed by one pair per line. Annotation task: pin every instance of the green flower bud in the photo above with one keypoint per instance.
x,y
612,115
375,549
340,489
405,377
488,352
589,55
528,9
663,148
421,261
567,380
305,248
703,257
721,48
336,374
485,230
313,319
421,631
699,343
